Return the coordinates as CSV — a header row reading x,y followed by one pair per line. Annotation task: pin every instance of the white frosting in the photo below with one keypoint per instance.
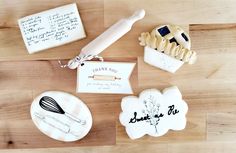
x,y
153,112
64,127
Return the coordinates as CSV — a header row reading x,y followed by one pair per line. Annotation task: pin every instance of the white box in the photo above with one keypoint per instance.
x,y
161,60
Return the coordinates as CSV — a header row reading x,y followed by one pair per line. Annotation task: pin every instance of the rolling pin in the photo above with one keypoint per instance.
x,y
104,40
104,77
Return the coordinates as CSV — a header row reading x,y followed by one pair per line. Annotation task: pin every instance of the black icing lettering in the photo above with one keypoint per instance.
x,y
172,110
159,116
135,119
184,36
144,118
173,40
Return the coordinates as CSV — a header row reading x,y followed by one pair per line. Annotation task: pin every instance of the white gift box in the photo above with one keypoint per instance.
x,y
161,60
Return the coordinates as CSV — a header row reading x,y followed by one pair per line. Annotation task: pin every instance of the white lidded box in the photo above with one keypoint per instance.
x,y
160,58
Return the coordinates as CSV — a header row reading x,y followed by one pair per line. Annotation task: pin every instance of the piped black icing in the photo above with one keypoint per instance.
x,y
164,31
50,104
173,40
184,36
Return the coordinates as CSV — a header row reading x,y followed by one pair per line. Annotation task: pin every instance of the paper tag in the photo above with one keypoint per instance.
x,y
104,77
51,28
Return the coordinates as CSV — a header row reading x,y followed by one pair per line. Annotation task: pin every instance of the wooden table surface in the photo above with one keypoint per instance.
x,y
209,86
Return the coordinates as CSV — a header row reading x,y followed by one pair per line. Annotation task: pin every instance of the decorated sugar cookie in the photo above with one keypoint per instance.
x,y
167,47
153,113
173,33
61,116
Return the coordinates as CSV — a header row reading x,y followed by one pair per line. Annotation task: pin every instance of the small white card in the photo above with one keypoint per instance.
x,y
51,28
104,77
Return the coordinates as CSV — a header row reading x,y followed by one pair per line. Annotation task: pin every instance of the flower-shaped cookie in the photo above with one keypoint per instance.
x,y
153,112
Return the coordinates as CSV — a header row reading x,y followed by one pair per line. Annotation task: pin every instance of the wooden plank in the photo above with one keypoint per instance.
x,y
211,104
128,45
24,134
203,94
44,75
171,11
15,104
21,81
104,149
11,11
36,75
214,39
192,79
12,46
221,126
208,86
15,118
203,147
194,147
216,58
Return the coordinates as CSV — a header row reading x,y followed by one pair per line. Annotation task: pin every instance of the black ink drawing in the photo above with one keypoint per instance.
x,y
49,104
152,110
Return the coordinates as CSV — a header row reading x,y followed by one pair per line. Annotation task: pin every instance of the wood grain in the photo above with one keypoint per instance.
x,y
171,11
221,126
12,46
25,80
206,147
195,131
104,149
209,86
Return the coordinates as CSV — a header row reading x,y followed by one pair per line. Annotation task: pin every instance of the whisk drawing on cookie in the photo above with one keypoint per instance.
x,y
49,104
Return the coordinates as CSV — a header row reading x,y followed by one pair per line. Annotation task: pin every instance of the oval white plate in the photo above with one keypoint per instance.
x,y
61,126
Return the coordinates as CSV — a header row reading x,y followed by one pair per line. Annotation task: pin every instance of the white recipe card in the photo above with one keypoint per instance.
x,y
104,77
51,28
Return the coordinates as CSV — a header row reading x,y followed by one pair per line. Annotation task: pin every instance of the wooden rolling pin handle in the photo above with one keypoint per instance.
x,y
104,40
